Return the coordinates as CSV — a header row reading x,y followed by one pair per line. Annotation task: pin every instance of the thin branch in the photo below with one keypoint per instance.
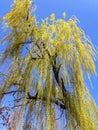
x,y
28,42
63,88
56,72
12,92
16,106
35,58
45,99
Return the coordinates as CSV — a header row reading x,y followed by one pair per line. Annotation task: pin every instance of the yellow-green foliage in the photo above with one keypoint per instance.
x,y
58,55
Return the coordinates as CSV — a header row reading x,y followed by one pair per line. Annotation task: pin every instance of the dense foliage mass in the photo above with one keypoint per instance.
x,y
47,68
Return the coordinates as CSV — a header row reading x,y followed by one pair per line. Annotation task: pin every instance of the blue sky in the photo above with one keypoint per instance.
x,y
85,10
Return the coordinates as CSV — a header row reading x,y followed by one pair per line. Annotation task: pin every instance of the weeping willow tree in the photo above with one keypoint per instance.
x,y
48,65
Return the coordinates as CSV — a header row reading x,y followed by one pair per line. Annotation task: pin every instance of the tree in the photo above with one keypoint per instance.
x,y
48,64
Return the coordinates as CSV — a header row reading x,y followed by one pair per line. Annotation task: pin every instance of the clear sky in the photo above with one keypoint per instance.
x,y
85,10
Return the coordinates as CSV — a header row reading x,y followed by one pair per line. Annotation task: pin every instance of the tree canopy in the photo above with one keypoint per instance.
x,y
48,64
